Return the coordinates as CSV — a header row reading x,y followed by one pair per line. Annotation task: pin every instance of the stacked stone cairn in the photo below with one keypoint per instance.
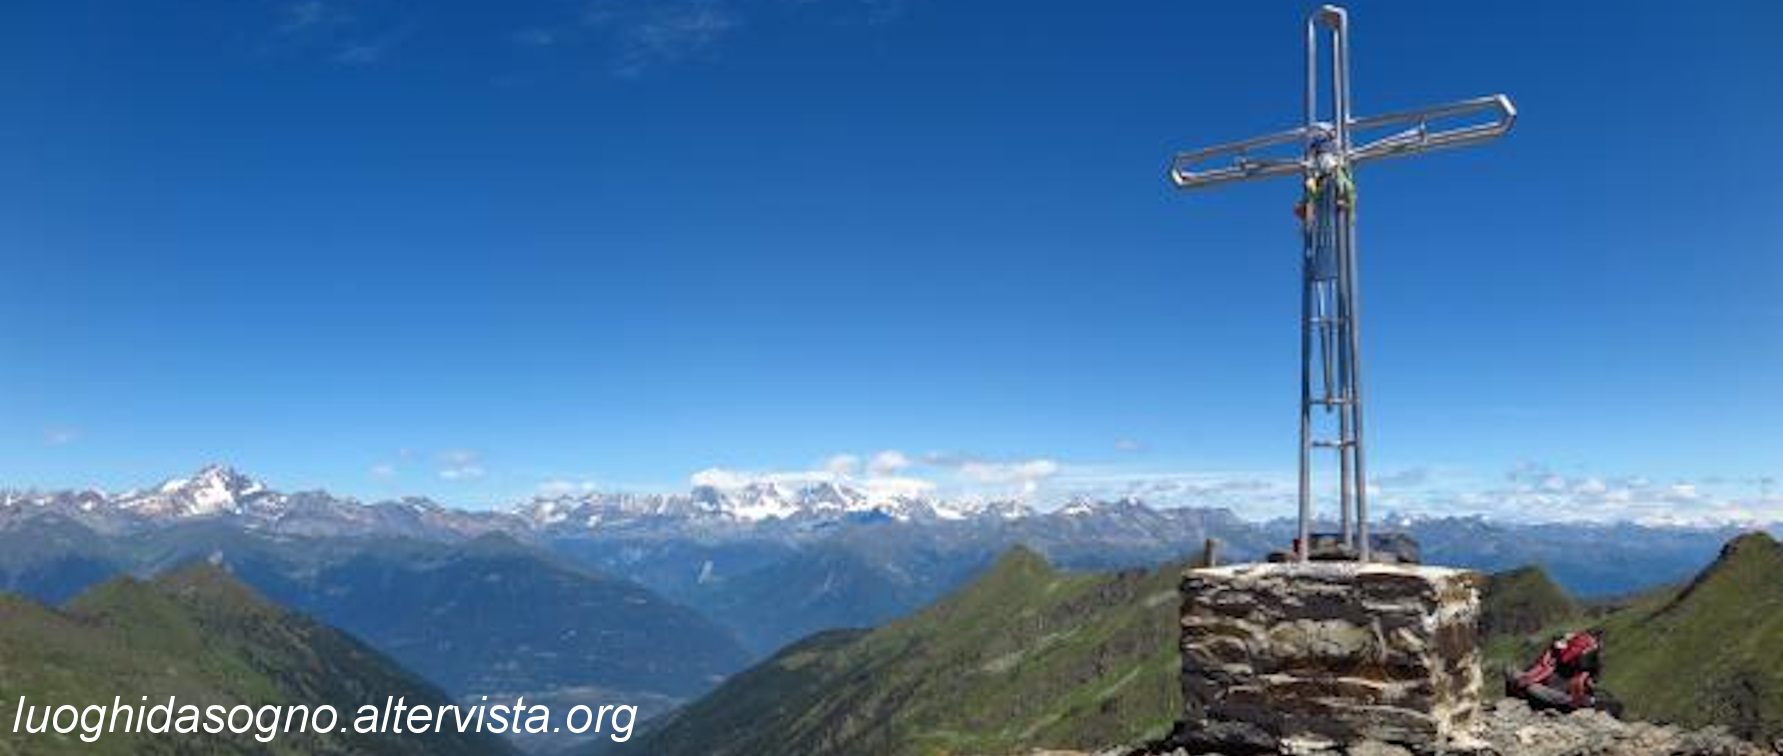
x,y
1313,657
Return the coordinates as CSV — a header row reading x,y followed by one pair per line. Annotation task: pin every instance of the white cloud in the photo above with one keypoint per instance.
x,y
61,436
995,477
893,473
644,35
1411,477
336,32
1128,445
1528,493
888,486
718,477
724,477
538,37
1535,493
309,14
1253,495
460,464
384,470
602,12
564,487
372,50
842,465
888,462
728,478
1026,475
363,54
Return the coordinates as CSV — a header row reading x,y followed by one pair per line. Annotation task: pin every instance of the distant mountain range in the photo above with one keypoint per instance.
x,y
1083,533
752,511
204,638
823,555
808,546
221,492
473,614
713,578
218,493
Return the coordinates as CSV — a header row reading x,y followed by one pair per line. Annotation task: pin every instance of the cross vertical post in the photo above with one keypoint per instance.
x,y
1330,334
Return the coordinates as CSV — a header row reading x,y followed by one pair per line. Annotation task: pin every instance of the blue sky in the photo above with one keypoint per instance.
x,y
469,250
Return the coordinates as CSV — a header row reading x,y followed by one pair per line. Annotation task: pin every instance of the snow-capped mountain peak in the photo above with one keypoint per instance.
x,y
830,495
761,503
215,489
1078,508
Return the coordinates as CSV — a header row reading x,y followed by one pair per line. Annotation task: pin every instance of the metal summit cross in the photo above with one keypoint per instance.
x,y
1330,346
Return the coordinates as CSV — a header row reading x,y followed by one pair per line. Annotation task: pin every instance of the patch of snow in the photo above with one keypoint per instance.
x,y
1078,508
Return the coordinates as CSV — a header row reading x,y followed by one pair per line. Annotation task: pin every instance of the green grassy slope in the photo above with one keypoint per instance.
x,y
1710,653
1707,653
1024,656
1523,601
199,635
1517,607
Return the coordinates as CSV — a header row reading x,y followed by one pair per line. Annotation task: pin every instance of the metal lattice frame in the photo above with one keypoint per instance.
x,y
1328,150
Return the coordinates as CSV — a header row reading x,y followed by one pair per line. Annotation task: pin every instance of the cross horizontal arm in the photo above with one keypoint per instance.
x,y
1421,137
1249,159
1239,162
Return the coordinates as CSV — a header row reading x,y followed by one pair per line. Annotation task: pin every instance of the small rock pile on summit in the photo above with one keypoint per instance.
x,y
1510,728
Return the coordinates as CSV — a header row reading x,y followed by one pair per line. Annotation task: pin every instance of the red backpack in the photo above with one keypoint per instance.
x,y
1573,658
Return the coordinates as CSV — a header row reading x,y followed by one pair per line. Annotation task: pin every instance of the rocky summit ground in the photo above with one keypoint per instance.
x,y
1512,729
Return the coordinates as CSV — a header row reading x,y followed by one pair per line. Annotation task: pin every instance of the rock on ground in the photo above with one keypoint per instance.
x,y
1510,728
